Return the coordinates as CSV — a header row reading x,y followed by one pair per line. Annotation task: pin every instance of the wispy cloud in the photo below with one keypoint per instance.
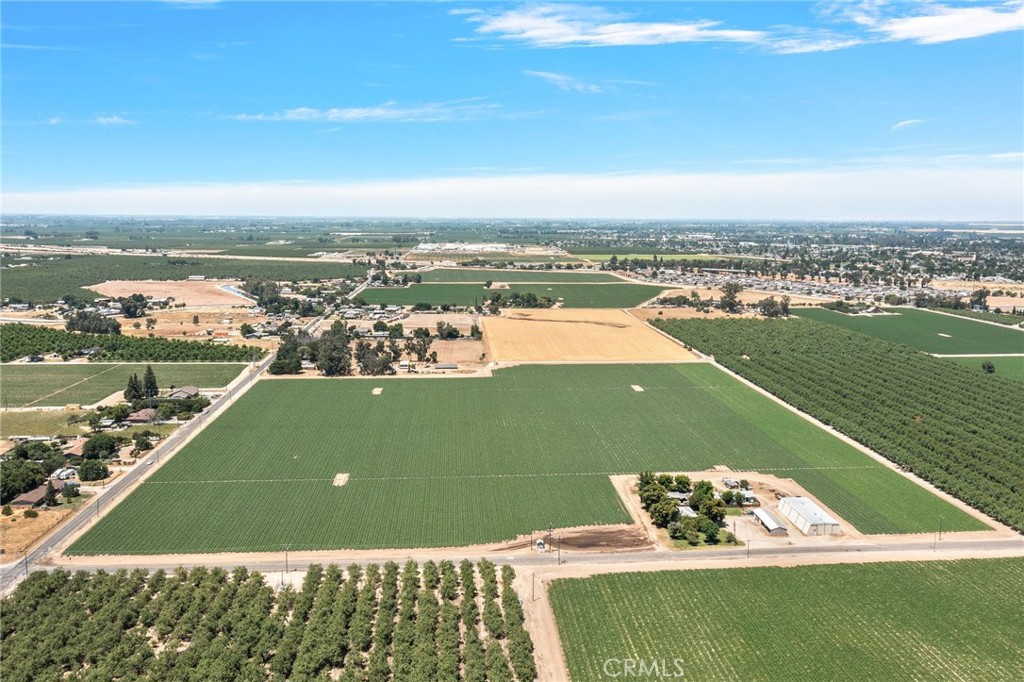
x,y
565,82
41,48
433,112
941,23
114,120
907,124
868,21
582,26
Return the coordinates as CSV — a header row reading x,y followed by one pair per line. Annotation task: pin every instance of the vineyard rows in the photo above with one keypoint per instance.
x,y
950,425
372,624
957,620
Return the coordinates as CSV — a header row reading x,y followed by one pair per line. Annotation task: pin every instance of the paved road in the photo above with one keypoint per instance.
x,y
11,574
947,546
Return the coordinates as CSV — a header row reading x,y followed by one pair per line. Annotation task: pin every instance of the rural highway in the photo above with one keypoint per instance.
x,y
10,574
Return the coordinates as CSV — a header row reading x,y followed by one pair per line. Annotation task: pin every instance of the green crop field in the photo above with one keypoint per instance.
x,y
943,620
616,295
52,384
480,275
49,280
449,462
927,331
1009,367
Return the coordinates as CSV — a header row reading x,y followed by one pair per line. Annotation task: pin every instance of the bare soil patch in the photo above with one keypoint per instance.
x,y
461,351
340,480
18,533
215,322
461,321
577,335
204,293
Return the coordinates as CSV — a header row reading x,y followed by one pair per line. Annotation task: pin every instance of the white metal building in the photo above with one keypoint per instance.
x,y
807,516
770,523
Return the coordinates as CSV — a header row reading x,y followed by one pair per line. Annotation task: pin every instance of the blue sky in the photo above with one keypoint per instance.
x,y
831,110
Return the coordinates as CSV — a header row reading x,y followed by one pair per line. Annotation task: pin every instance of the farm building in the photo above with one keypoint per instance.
x,y
678,497
30,499
808,516
184,393
770,523
686,512
142,416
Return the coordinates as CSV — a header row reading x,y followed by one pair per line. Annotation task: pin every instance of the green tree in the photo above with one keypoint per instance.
x,y
989,367
730,301
69,490
18,476
99,446
50,497
709,528
92,470
664,512
149,385
134,390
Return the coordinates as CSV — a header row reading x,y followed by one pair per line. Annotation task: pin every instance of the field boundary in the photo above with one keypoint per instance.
x,y
973,319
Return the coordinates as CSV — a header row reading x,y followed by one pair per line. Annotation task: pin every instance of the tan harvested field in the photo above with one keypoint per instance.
x,y
205,293
966,285
577,335
747,296
1005,303
681,313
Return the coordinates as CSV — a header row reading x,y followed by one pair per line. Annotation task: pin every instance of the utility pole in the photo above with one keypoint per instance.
x,y
559,539
286,558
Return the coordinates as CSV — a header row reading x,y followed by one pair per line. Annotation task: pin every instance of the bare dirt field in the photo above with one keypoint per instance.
x,y
461,351
204,293
577,335
221,321
461,321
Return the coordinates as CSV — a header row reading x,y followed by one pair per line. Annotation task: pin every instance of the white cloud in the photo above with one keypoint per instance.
x,y
870,21
55,120
941,23
565,82
115,120
461,110
906,124
581,26
952,192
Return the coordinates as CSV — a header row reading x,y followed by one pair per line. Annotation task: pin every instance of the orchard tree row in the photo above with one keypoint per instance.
x,y
444,622
20,340
953,426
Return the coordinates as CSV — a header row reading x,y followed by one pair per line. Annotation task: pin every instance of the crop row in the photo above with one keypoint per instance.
x,y
928,620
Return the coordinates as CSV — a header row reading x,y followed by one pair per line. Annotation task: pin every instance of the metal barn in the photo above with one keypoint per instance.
x,y
808,516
